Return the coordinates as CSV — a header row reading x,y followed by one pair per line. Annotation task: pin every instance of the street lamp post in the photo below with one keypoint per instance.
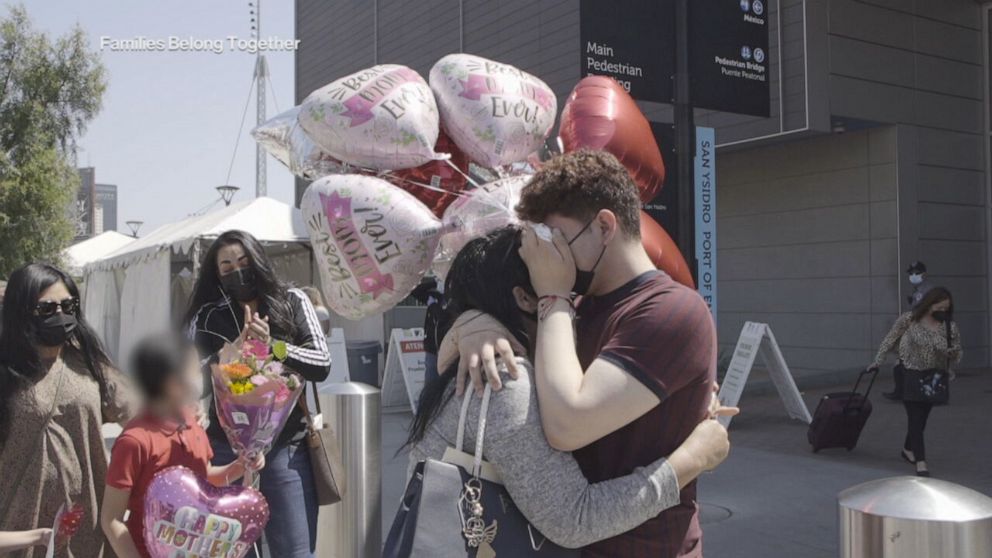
x,y
227,192
134,226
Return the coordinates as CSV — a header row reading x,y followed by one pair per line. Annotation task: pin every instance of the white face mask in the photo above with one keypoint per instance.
x,y
915,278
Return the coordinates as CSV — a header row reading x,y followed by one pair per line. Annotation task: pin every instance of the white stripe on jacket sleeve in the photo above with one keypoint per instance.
x,y
319,355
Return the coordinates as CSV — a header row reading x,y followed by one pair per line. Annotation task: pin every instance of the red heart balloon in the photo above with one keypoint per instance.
x,y
664,254
600,114
443,180
185,515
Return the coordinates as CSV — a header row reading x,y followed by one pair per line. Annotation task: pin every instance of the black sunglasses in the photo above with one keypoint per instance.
x,y
48,307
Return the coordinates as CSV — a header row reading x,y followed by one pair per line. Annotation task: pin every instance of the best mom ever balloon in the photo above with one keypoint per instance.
x,y
373,241
381,118
495,112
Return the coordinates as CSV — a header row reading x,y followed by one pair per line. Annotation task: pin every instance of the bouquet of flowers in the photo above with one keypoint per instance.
x,y
254,395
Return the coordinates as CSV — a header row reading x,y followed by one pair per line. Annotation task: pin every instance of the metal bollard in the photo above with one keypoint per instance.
x,y
352,528
914,517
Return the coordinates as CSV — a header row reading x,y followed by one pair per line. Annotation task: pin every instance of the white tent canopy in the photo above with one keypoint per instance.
x,y
128,292
82,253
268,220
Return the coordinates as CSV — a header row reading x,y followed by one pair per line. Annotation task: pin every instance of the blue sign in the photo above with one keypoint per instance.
x,y
705,187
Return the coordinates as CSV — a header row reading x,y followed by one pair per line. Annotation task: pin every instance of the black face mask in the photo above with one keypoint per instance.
x,y
532,316
583,278
942,316
54,330
240,284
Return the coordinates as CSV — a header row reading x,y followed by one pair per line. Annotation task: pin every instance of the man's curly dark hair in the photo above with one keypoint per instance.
x,y
580,184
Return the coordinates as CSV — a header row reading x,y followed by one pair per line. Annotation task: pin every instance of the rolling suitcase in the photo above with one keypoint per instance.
x,y
840,417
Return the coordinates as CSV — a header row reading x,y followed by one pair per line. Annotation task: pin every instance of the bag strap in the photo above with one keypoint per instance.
x,y
460,436
44,427
302,402
950,343
481,428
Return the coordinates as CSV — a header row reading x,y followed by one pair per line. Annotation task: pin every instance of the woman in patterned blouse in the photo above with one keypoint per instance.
x,y
920,338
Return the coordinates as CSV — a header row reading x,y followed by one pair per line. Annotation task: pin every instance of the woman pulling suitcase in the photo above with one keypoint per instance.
x,y
928,343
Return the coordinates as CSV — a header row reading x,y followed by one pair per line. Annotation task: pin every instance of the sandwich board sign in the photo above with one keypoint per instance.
x,y
757,338
403,377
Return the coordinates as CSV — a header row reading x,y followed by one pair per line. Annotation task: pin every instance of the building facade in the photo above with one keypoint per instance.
x,y
106,205
83,212
95,208
875,154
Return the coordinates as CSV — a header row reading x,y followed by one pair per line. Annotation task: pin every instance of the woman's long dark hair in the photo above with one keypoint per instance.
x,y
933,296
272,293
20,364
482,277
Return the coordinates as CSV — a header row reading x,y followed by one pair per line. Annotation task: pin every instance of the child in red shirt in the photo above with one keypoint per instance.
x,y
164,434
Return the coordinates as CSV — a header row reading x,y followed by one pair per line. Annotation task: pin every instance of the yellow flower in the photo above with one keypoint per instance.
x,y
240,386
236,370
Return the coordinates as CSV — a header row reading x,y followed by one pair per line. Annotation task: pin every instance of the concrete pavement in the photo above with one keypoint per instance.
x,y
773,497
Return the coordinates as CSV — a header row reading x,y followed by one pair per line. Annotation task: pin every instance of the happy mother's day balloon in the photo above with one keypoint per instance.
x,y
495,112
373,241
187,516
382,118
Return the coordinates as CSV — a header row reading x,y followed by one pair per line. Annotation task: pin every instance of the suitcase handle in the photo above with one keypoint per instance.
x,y
874,374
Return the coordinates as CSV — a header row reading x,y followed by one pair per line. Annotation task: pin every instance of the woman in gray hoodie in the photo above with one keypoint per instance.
x,y
547,485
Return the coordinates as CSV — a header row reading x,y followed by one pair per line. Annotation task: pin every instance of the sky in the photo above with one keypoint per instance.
x,y
167,130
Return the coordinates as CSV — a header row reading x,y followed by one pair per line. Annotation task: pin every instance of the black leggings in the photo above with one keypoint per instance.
x,y
917,413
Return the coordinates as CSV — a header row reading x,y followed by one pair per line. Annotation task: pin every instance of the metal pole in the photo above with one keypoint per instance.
x,y
685,130
352,528
261,74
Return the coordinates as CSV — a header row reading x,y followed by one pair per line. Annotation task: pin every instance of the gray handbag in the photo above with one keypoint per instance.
x,y
457,508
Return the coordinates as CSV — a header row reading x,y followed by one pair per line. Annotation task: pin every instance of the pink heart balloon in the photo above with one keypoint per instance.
x,y
372,241
383,118
496,113
187,516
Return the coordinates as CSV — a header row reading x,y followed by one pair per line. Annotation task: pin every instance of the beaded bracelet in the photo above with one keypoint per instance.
x,y
547,302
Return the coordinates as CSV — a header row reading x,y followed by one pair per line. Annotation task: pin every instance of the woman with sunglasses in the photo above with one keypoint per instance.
x,y
57,387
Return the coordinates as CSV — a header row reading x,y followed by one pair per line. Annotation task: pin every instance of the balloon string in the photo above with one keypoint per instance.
x,y
461,172
488,197
426,186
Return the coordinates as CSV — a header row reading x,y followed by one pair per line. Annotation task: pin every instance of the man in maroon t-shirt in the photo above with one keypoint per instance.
x,y
626,381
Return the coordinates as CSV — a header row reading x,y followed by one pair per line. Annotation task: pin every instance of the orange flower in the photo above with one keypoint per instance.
x,y
236,370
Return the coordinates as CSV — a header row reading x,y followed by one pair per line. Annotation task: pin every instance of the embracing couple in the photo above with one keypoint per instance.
x,y
603,416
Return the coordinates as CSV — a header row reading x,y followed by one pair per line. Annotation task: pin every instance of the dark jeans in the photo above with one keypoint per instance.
x,y
917,413
287,484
